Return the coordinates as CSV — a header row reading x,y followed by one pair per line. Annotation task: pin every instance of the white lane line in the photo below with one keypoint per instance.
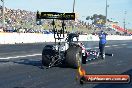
x,y
123,44
118,47
88,48
115,45
107,46
21,56
96,47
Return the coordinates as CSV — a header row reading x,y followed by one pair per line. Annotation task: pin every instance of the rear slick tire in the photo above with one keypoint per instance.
x,y
74,57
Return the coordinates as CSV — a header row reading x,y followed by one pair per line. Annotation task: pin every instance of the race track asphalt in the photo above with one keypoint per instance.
x,y
20,67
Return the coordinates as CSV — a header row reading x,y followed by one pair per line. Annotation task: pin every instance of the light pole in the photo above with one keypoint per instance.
x,y
73,12
106,12
73,6
3,10
125,20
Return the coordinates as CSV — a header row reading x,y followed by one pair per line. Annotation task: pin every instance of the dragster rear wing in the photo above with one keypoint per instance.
x,y
58,34
55,15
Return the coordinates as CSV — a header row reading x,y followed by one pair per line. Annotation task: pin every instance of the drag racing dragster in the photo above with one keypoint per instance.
x,y
60,53
71,52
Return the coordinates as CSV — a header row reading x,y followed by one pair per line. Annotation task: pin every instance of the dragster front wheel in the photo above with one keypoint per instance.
x,y
47,54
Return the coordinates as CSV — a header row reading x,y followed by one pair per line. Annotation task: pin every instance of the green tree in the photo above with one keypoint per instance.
x,y
97,19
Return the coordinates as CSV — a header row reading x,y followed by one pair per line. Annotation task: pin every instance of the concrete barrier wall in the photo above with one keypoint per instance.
x,y
12,38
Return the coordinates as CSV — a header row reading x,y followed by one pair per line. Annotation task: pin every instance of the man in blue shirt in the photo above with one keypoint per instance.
x,y
102,42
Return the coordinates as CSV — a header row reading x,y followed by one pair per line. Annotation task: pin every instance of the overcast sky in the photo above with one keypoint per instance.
x,y
84,8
